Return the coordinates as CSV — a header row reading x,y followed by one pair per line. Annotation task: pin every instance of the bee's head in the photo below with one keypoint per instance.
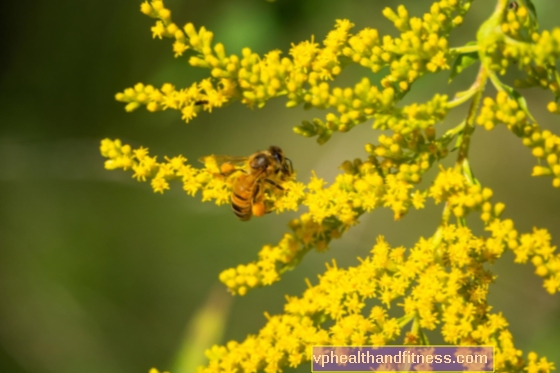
x,y
284,163
277,154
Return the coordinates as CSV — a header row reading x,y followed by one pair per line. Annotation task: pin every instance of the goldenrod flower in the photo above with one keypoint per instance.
x,y
442,282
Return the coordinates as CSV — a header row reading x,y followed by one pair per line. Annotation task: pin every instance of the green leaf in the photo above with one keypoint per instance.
x,y
324,137
458,141
205,329
518,97
532,8
463,61
468,172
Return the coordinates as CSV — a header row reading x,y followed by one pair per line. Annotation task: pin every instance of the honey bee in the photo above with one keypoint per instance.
x,y
260,170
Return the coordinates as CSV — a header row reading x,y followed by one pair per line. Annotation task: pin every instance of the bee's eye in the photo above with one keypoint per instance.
x,y
259,162
513,5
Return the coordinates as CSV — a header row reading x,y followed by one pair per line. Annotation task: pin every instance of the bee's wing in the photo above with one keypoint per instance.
x,y
221,159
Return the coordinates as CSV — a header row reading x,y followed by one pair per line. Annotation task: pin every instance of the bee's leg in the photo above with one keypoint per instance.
x,y
274,184
289,169
258,205
258,197
256,194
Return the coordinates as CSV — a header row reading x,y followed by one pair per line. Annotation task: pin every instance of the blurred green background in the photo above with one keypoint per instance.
x,y
99,274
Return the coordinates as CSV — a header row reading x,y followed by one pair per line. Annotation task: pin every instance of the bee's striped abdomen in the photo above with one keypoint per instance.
x,y
241,206
242,196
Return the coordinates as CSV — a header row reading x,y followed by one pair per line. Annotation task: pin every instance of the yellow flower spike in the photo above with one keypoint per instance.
x,y
334,276
307,57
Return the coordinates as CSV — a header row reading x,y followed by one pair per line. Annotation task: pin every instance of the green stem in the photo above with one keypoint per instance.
x,y
495,81
467,171
465,49
405,320
469,123
466,128
455,130
465,96
476,87
450,134
438,236
417,330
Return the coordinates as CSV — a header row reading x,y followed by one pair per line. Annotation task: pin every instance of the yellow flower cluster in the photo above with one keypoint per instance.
x,y
541,50
189,100
344,200
463,196
408,156
160,173
505,110
451,187
535,247
436,283
420,49
520,22
538,60
207,93
520,43
544,145
363,187
537,365
415,116
422,46
507,36
275,260
332,210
